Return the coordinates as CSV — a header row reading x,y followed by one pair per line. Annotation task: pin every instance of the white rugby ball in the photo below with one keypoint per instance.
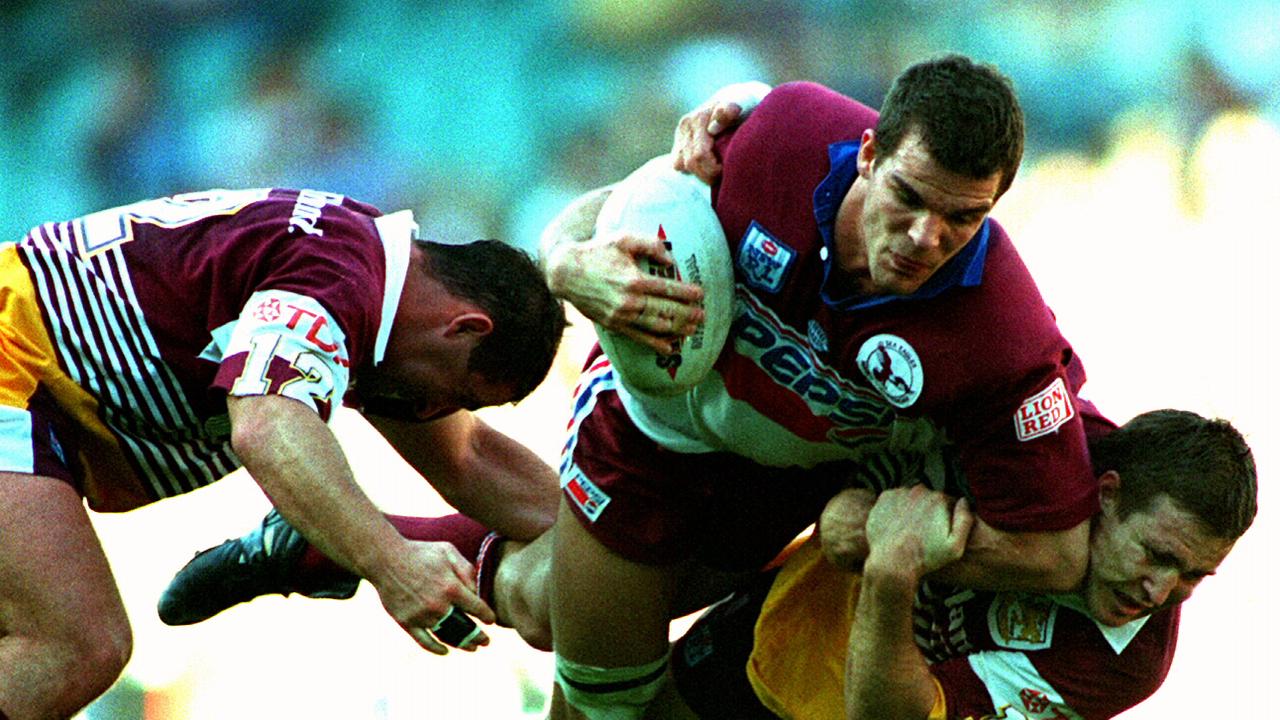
x,y
658,201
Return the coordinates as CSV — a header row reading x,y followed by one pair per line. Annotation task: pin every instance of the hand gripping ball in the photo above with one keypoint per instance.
x,y
657,200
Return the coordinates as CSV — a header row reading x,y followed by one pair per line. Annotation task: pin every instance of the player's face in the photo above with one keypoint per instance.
x,y
435,379
1149,561
915,216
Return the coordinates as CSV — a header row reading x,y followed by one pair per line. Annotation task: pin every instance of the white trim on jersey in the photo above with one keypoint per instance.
x,y
1017,688
593,381
103,339
396,231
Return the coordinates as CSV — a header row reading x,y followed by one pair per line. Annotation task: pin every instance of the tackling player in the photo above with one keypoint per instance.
x,y
151,349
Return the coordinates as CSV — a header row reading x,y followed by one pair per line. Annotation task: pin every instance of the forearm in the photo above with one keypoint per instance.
x,y
885,674
574,224
299,464
483,473
1041,562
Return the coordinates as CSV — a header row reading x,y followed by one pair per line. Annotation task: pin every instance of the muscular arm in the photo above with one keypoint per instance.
x,y
298,462
993,559
296,459
1035,561
911,532
483,473
885,674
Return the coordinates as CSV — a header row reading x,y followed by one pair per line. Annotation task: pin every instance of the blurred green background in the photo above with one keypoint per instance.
x,y
484,115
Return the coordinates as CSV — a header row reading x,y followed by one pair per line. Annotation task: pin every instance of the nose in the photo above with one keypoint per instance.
x,y
926,231
1160,584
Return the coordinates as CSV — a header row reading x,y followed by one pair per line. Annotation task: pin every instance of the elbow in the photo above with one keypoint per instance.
x,y
250,427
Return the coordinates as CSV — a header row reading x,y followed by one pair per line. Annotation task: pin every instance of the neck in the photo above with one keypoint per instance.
x,y
850,260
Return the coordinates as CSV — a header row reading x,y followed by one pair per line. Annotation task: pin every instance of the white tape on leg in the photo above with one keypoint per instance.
x,y
610,693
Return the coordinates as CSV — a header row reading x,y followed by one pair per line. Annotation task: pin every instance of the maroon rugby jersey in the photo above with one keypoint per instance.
x,y
1001,655
157,309
967,383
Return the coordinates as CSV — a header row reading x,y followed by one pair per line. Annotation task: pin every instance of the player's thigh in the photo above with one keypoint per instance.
x,y
55,583
606,610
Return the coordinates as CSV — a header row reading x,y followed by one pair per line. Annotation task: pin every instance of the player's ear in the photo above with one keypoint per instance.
x,y
1109,491
867,152
470,323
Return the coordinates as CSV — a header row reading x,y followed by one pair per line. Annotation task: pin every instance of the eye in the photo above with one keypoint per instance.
x,y
1161,557
908,197
967,218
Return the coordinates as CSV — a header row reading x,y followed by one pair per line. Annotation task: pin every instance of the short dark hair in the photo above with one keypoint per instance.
x,y
967,114
504,281
1204,466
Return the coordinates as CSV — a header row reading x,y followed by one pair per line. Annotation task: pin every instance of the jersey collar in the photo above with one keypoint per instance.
x,y
397,232
963,270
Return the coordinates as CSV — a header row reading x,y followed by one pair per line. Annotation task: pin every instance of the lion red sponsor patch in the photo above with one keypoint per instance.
x,y
1044,412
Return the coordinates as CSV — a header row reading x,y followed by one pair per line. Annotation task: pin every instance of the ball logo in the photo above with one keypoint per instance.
x,y
893,368
670,362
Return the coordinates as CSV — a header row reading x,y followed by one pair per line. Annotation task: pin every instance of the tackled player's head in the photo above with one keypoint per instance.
x,y
1176,491
1203,465
528,321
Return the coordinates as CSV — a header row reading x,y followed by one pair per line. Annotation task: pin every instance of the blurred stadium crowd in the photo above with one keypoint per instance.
x,y
484,115
1141,208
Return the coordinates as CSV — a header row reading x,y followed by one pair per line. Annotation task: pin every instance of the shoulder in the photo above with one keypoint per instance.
x,y
1005,316
817,103
800,115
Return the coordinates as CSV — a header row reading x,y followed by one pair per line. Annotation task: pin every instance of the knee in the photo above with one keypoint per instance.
x,y
520,590
536,636
530,617
112,650
94,660
62,673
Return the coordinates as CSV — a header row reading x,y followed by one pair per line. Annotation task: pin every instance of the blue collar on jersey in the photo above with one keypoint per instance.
x,y
964,270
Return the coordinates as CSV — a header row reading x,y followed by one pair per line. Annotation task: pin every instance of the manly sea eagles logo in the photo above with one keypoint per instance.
x,y
893,367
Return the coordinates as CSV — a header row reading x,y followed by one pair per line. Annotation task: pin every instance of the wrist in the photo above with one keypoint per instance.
x,y
382,558
552,259
893,570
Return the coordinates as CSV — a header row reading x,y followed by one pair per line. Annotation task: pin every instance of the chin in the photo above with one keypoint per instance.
x,y
1115,617
1111,620
896,285
1104,612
